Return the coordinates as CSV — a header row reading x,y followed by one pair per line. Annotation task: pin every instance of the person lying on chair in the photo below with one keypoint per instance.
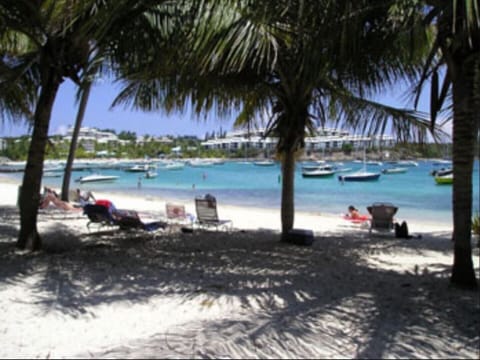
x,y
50,198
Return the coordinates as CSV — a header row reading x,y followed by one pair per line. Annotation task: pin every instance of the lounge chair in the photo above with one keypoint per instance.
x,y
207,215
101,216
382,216
176,214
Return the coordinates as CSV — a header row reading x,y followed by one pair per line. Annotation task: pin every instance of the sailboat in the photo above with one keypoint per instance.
x,y
361,175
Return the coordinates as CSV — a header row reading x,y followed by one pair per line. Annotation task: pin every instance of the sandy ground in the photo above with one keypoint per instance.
x,y
243,294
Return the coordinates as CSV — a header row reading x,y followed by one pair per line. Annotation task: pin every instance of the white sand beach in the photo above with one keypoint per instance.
x,y
241,294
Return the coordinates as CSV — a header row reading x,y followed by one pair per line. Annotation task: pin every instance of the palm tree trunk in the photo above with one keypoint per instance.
x,y
288,183
465,128
73,143
30,191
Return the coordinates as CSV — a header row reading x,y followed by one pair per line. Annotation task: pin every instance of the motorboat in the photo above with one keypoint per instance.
x,y
407,163
174,166
313,165
96,178
150,174
264,163
444,179
394,170
442,172
138,168
377,163
320,172
201,163
52,174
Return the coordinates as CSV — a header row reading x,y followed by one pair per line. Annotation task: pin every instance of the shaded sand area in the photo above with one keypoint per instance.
x,y
228,295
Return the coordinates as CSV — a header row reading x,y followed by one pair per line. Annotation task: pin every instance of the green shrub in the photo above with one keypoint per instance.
x,y
476,224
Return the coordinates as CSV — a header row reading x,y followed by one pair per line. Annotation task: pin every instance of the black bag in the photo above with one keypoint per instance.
x,y
401,231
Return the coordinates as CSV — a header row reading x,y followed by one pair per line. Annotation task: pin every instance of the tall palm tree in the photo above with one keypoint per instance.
x,y
58,37
85,89
306,61
457,48
127,31
53,51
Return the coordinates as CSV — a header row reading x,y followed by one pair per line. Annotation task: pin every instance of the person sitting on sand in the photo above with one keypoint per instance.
x,y
85,197
50,198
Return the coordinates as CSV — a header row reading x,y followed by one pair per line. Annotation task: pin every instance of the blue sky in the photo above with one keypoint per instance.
x,y
99,114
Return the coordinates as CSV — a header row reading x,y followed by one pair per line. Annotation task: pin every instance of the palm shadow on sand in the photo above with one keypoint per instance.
x,y
292,290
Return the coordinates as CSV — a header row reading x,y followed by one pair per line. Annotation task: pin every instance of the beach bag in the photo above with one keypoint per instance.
x,y
401,231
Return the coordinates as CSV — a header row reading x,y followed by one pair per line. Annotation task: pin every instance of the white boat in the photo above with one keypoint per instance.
x,y
321,172
313,165
52,174
407,163
377,163
442,172
138,168
395,170
96,178
201,163
359,176
150,174
264,163
174,166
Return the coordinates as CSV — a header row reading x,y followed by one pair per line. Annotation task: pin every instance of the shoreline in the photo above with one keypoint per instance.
x,y
243,217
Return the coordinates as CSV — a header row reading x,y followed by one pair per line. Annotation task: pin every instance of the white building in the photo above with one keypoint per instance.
x,y
325,139
3,144
87,137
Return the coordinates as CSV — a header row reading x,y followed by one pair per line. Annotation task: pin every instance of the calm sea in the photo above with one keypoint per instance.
x,y
236,183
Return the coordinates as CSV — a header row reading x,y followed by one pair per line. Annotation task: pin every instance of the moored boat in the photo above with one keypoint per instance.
x,y
444,179
320,172
150,174
96,178
395,170
359,176
174,166
264,163
52,174
138,168
407,163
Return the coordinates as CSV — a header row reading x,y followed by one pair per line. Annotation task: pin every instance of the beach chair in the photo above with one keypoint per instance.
x,y
207,215
176,214
382,216
102,216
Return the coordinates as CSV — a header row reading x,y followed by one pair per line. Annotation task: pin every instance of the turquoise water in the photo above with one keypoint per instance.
x,y
414,192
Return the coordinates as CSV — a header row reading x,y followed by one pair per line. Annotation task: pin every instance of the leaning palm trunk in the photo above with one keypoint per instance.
x,y
73,144
30,192
288,183
465,128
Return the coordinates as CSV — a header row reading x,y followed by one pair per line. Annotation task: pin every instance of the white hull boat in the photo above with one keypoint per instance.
x,y
264,163
97,178
396,170
150,175
319,173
